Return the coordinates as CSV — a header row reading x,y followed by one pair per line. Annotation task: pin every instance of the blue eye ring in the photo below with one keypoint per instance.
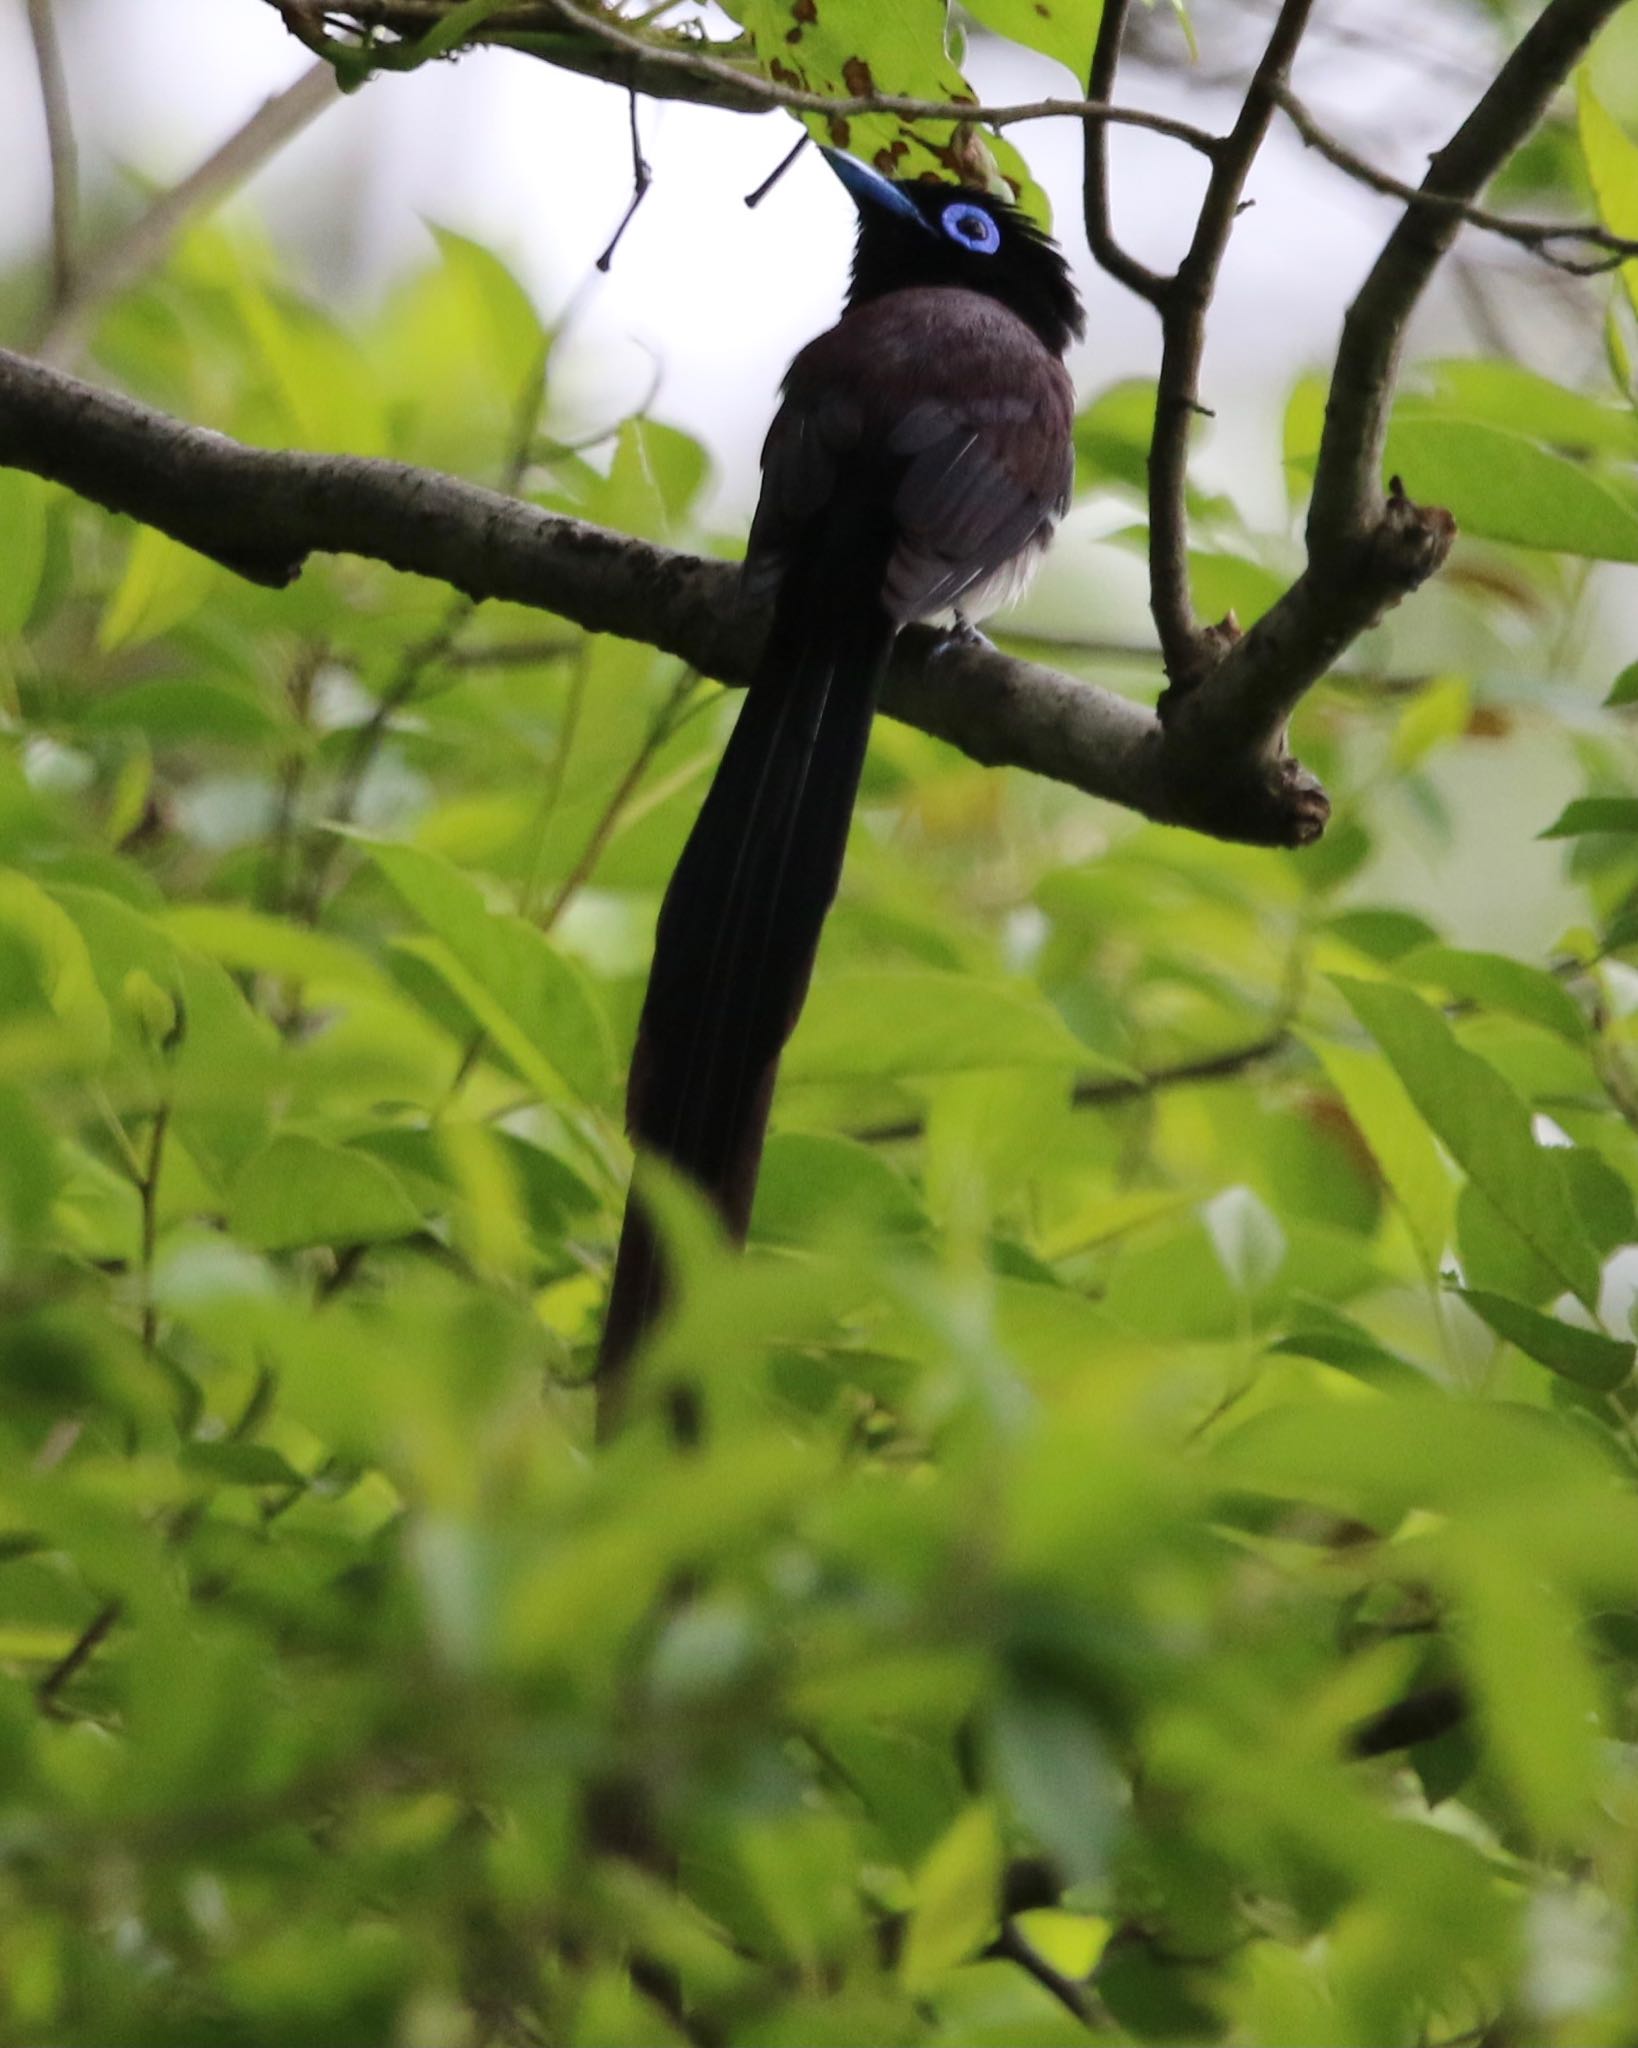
x,y
971,227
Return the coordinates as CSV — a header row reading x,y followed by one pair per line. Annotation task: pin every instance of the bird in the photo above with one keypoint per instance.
x,y
917,466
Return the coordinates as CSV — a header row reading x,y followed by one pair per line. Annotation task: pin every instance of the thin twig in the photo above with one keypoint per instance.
x,y
754,199
1346,507
278,877
665,722
1012,1947
1103,1091
413,664
65,179
1184,306
751,88
514,653
1368,549
148,1192
796,99
660,730
368,739
1386,39
84,1648
641,178
1538,236
140,247
1100,234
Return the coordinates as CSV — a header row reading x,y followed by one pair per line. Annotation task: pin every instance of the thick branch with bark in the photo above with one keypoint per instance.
x,y
1214,761
262,513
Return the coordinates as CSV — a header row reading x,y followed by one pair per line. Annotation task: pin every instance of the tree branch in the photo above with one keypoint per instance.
x,y
65,205
1540,237
1366,549
1104,1091
1107,251
1422,1717
1347,508
1012,1946
261,513
1184,303
1216,763
116,266
709,79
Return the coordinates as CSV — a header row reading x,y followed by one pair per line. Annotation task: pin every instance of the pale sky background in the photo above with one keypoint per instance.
x,y
715,299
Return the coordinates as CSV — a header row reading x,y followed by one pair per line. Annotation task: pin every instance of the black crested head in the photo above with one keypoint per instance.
x,y
914,232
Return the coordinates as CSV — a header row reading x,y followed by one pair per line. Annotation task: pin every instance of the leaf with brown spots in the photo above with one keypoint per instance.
x,y
855,48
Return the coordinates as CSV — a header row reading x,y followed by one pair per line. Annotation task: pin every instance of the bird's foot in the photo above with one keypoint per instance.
x,y
962,633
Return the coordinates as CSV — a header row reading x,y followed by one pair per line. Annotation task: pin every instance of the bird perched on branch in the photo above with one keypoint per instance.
x,y
916,469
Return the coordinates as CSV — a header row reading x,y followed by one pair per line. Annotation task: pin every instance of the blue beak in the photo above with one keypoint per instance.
x,y
868,188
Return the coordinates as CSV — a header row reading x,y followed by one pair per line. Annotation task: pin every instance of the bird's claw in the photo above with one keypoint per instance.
x,y
961,634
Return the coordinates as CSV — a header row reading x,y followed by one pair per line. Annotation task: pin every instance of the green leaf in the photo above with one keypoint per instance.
x,y
163,585
538,1006
1065,29
1538,1701
1382,934
301,1191
1506,394
890,47
1495,1256
654,478
1225,583
318,390
1612,165
955,1900
1603,1198
1334,1339
1586,814
501,317
1301,429
185,711
1113,433
460,349
1502,486
252,942
61,974
870,1026
809,1180
1586,1356
1624,690
1499,983
234,1464
1484,1126
1377,1101
31,1169
23,535
1434,716
1060,1781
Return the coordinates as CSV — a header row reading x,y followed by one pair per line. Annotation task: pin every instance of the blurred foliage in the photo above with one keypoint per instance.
x,y
1189,1310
